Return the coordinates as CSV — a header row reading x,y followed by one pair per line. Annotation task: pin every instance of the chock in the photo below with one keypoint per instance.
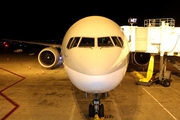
x,y
96,117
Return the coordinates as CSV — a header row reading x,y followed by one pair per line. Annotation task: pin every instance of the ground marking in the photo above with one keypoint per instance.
x,y
160,104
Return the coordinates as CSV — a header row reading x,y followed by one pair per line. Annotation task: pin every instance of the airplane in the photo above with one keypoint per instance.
x,y
95,56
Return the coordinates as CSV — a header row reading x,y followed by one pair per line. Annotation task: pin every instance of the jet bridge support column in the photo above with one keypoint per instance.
x,y
164,76
161,65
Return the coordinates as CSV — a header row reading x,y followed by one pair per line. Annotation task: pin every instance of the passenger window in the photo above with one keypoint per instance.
x,y
104,41
116,41
87,42
121,41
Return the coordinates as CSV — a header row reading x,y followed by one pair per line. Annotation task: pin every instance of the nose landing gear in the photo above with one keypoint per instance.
x,y
96,108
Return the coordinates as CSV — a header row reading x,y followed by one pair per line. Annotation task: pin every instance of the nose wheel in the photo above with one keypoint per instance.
x,y
96,107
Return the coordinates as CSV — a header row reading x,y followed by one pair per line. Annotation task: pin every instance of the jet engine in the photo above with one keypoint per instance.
x,y
140,58
49,57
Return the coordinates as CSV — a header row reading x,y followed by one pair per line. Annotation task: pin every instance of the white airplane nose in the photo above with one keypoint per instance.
x,y
99,62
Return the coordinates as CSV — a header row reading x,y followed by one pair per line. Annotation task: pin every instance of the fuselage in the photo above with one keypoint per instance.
x,y
95,54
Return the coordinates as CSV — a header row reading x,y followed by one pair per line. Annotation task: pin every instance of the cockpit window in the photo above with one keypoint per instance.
x,y
121,41
105,41
90,42
87,42
116,41
69,43
73,42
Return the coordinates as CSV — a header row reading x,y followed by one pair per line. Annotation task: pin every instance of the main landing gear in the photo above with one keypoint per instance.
x,y
96,107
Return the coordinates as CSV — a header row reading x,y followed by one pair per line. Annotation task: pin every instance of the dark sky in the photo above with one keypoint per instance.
x,y
48,20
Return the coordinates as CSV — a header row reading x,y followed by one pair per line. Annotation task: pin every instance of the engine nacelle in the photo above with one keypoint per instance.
x,y
49,57
140,58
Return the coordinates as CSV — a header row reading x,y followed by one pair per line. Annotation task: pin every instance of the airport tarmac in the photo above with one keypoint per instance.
x,y
30,92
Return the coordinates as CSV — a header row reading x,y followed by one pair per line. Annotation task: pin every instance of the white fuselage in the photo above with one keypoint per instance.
x,y
98,66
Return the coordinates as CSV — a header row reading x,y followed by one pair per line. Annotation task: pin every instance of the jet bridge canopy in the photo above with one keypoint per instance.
x,y
157,36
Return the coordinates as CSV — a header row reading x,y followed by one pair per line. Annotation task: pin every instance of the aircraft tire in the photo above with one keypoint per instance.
x,y
101,110
91,110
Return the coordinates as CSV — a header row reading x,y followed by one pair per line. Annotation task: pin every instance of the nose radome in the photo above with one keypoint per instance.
x,y
97,63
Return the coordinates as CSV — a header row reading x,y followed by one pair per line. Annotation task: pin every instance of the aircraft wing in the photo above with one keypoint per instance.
x,y
37,43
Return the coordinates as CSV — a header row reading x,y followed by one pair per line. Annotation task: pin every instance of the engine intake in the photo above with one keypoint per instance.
x,y
141,58
49,57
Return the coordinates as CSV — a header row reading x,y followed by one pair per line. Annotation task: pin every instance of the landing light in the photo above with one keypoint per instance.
x,y
60,57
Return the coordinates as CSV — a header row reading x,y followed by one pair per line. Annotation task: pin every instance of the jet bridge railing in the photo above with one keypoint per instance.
x,y
158,22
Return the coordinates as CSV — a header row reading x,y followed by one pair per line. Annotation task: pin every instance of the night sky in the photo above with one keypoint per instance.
x,y
48,20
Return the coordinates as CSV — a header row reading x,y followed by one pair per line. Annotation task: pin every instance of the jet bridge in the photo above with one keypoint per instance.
x,y
157,36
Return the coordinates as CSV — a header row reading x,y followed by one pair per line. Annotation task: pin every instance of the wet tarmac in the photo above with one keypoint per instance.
x,y
30,92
